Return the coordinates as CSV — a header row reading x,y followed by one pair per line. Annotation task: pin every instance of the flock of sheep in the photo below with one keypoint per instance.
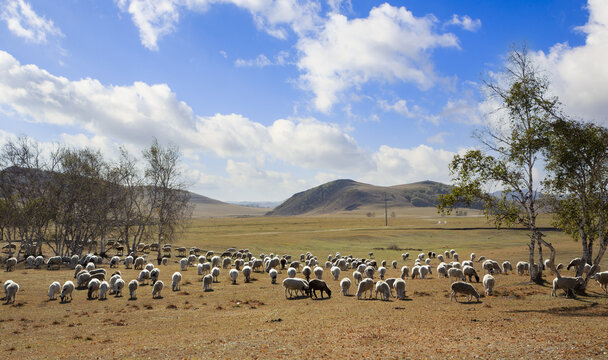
x,y
89,276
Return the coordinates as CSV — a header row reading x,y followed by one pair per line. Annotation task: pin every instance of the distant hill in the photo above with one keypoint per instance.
x,y
343,196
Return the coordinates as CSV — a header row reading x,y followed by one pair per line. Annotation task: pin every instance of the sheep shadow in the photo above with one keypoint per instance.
x,y
158,298
132,299
320,299
298,297
208,290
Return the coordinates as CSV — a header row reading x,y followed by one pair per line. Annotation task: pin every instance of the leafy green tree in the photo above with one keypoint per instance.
x,y
513,147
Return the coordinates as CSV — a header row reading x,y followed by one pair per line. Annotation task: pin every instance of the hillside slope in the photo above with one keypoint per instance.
x,y
347,195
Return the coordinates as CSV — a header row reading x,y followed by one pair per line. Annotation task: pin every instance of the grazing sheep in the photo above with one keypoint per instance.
x,y
273,276
306,272
133,285
335,271
357,276
455,256
320,285
93,288
442,270
39,260
295,265
30,261
90,266
415,271
215,261
318,271
470,272
399,286
74,261
113,281
156,289
103,289
114,261
382,272
149,267
154,274
291,272
364,286
164,261
66,290
369,272
424,270
207,281
384,290
568,284
247,273
118,286
143,276
10,264
461,287
128,262
456,274
491,267
481,258
215,272
183,264
440,258
233,273
488,284
10,290
473,256
139,263
54,290
506,267
294,284
467,263
574,263
345,286
175,281
405,271
77,270
227,263
522,267
204,268
602,279
394,264
83,279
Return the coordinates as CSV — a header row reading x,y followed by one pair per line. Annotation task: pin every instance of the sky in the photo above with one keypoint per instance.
x,y
266,98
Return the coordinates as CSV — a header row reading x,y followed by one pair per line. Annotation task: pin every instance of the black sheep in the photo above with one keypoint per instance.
x,y
317,284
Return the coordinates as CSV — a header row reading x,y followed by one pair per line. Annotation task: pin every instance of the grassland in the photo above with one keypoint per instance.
x,y
255,320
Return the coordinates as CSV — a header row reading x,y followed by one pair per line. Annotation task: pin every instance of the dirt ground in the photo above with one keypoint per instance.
x,y
255,320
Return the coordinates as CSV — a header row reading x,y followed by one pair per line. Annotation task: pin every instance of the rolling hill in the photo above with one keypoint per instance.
x,y
348,196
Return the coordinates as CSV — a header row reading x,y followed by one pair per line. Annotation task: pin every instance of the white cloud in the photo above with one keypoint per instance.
x,y
465,22
400,107
23,21
157,18
262,61
437,138
391,44
465,111
579,75
401,166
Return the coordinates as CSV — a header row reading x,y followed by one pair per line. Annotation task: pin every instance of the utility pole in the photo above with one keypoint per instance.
x,y
385,211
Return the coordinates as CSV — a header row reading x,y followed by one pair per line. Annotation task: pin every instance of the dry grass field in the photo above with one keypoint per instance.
x,y
254,320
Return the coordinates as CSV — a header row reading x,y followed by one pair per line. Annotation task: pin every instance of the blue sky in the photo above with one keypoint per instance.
x,y
266,98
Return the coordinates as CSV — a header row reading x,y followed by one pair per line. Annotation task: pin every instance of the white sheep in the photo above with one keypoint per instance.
x,y
602,279
143,276
405,271
399,286
415,271
567,284
357,276
183,264
472,256
369,272
273,276
207,281
39,260
247,273
30,261
233,274
522,267
294,284
442,270
318,271
114,261
382,272
440,258
469,271
384,290
133,285
488,284
456,274
93,288
77,269
139,263
11,263
157,288
506,267
215,272
175,281
226,263
128,262
364,286
461,287
154,274
215,261
394,264
149,267
113,281
90,266
424,270
103,289
10,290
291,272
335,271
54,290
83,279
481,258
345,286
118,286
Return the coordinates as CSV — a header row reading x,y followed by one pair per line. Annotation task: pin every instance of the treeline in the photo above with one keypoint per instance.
x,y
75,200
